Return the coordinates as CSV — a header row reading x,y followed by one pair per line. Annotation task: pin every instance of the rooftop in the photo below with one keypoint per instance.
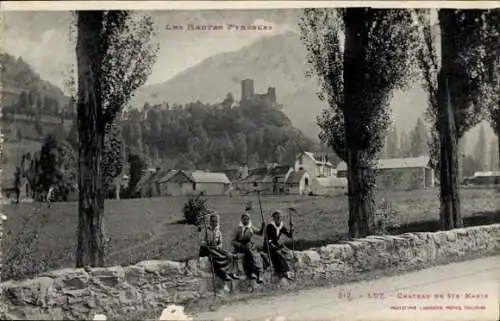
x,y
394,163
264,174
164,176
315,159
208,177
295,177
483,174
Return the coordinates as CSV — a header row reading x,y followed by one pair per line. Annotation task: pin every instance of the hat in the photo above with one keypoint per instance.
x,y
277,212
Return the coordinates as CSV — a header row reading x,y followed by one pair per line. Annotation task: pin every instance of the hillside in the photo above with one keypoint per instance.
x,y
205,136
30,110
23,89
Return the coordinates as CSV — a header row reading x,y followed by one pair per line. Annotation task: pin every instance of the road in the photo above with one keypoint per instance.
x,y
470,292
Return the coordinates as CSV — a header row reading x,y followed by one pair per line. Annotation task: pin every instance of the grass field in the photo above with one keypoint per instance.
x,y
149,228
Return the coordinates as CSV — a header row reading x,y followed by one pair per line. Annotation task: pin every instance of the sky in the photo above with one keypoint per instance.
x,y
45,41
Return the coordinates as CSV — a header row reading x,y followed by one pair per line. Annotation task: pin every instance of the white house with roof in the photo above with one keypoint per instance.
x,y
400,173
313,166
314,174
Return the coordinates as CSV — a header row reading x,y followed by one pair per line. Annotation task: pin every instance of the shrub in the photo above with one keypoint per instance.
x,y
194,208
249,206
385,218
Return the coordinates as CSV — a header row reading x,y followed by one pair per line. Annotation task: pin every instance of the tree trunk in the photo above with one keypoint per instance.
x,y
360,174
360,191
498,144
461,155
450,215
90,247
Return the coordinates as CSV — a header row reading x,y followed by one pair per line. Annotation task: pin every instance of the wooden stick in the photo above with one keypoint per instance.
x,y
266,242
290,211
210,257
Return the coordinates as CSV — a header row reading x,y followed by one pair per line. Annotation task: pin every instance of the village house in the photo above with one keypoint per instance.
x,y
270,179
298,182
313,166
236,172
194,183
483,178
148,184
329,185
314,174
400,173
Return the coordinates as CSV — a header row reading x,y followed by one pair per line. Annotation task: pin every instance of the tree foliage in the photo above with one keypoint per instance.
x,y
114,155
392,140
137,167
129,55
419,140
194,210
57,168
471,92
480,150
389,44
205,136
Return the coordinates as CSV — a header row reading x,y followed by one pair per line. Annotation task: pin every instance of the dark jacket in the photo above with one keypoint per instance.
x,y
274,232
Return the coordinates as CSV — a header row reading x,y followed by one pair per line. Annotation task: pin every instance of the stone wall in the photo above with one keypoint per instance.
x,y
145,289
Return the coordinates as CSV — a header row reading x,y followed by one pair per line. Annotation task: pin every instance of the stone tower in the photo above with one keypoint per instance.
x,y
271,94
247,90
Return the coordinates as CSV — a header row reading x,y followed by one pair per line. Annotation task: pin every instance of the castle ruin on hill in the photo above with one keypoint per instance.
x,y
248,93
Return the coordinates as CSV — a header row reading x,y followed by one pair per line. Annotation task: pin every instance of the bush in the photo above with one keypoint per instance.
x,y
249,206
193,209
385,218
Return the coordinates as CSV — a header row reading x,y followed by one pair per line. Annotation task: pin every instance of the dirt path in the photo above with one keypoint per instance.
x,y
470,291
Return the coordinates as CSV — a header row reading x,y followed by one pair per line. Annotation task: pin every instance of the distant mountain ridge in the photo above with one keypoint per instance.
x,y
17,76
278,61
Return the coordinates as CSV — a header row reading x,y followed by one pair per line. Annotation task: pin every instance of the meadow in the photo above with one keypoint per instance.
x,y
39,239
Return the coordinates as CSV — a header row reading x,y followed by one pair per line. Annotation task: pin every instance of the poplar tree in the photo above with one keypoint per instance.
x,y
357,82
114,57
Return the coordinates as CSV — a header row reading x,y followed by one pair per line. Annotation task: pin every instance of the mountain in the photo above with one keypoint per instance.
x,y
209,81
203,136
30,110
17,77
278,61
